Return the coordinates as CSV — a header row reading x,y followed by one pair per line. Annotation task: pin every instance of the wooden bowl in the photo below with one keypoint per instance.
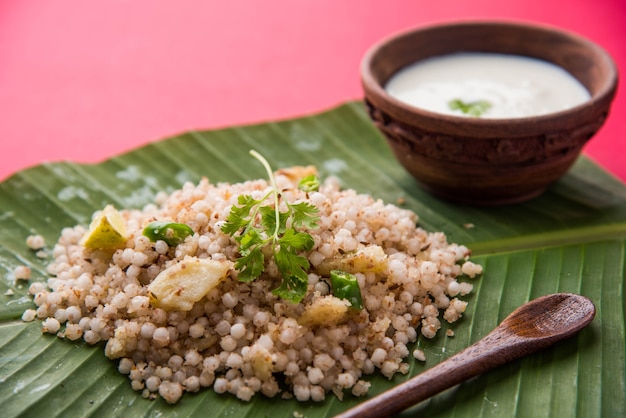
x,y
488,161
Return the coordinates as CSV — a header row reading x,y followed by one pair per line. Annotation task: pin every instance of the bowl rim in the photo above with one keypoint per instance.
x,y
375,91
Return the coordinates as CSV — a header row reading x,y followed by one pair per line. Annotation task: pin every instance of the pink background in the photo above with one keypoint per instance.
x,y
84,80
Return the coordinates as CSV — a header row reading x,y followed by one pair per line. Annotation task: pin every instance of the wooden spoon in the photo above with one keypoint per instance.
x,y
531,327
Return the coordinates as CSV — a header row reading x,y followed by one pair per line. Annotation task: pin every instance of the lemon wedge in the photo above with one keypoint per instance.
x,y
106,232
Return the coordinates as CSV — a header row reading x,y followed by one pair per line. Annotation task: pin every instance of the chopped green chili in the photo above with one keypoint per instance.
x,y
309,183
171,232
346,286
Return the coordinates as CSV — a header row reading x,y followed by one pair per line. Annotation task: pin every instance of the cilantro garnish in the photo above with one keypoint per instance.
x,y
475,109
256,224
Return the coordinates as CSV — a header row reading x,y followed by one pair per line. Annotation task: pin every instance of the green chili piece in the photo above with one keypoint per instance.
x,y
309,183
346,286
171,232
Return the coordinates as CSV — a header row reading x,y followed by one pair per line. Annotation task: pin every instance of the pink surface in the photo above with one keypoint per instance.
x,y
86,80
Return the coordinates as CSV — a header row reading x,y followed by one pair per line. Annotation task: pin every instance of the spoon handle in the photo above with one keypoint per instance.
x,y
486,354
531,327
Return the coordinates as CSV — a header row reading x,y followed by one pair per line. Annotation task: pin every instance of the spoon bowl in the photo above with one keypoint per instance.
x,y
567,315
530,328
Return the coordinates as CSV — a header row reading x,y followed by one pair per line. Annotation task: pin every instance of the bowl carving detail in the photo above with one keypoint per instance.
x,y
479,150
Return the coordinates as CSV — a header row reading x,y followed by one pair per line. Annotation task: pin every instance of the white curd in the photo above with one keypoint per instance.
x,y
506,86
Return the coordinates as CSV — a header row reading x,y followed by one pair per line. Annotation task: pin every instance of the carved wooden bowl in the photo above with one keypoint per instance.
x,y
488,161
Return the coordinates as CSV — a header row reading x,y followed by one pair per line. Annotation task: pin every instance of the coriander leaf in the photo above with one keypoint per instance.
x,y
475,109
275,229
249,240
268,219
304,214
250,265
237,219
294,240
291,264
291,289
247,202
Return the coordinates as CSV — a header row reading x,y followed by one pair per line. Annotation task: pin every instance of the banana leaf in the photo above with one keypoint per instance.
x,y
571,239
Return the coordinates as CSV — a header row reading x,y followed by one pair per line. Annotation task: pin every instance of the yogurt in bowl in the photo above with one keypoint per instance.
x,y
488,85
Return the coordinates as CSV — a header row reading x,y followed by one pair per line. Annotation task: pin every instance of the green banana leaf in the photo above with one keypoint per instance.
x,y
571,239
